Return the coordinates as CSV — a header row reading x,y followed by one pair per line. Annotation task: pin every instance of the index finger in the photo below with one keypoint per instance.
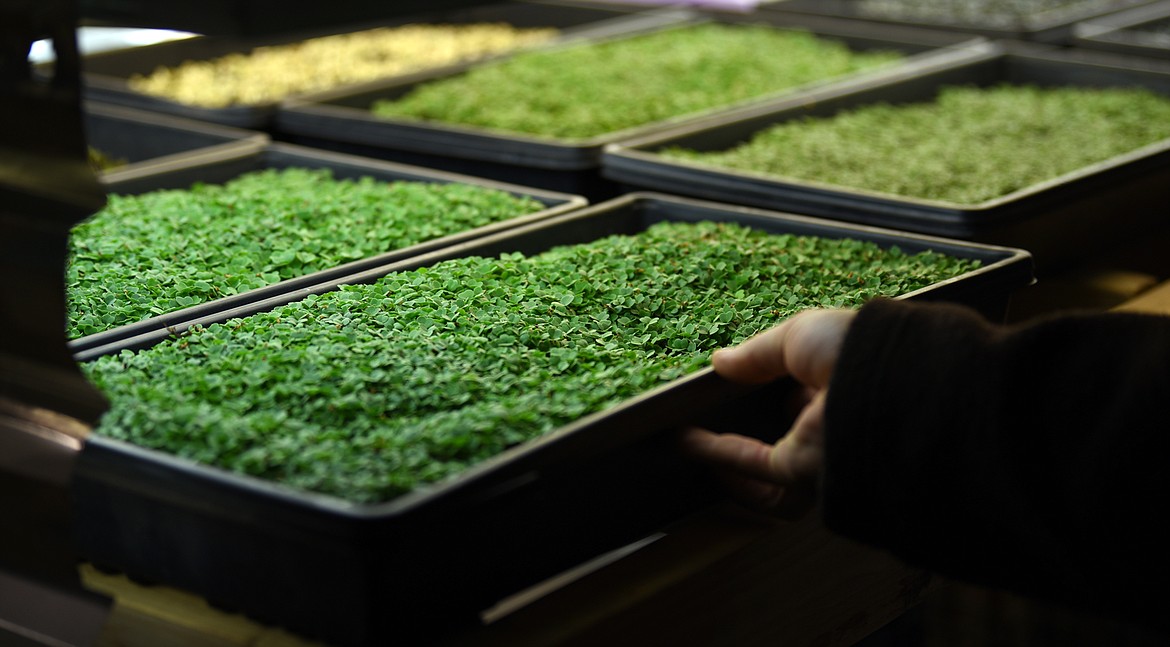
x,y
805,346
758,360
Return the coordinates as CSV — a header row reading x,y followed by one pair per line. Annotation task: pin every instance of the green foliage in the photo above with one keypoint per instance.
x,y
158,252
367,391
970,145
594,89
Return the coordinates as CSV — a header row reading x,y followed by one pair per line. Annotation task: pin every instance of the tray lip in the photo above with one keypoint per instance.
x,y
317,114
1003,262
233,138
1117,30
1042,25
626,156
112,88
555,203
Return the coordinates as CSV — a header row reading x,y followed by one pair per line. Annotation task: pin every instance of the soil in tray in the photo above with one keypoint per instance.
x,y
145,255
594,89
367,391
968,146
273,73
989,13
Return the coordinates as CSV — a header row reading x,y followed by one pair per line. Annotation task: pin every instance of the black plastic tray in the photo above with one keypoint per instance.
x,y
341,120
428,562
1057,220
1053,27
226,164
1122,32
106,74
149,142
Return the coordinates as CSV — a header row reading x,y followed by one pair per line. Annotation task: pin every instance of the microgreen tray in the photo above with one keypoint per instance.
x,y
343,120
146,142
1036,24
221,166
107,74
1142,31
1057,220
426,563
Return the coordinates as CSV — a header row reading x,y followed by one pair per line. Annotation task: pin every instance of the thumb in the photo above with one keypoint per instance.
x,y
804,346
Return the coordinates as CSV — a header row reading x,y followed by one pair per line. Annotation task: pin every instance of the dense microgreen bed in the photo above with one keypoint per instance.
x,y
161,251
989,13
970,145
370,390
594,89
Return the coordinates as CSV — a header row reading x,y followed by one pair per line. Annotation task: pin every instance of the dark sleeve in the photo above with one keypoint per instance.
x,y
1030,458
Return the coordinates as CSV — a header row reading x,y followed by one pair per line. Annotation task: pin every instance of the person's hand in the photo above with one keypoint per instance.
x,y
779,478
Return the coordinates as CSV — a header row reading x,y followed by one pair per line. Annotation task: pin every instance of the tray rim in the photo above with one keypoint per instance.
x,y
1048,26
1116,31
233,138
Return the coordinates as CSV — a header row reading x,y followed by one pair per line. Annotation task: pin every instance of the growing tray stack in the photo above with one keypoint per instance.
x,y
423,564
110,76
343,120
1059,220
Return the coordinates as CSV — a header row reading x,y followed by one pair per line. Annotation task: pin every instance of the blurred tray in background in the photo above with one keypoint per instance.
x,y
1058,220
139,142
1034,21
1143,31
342,120
107,74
